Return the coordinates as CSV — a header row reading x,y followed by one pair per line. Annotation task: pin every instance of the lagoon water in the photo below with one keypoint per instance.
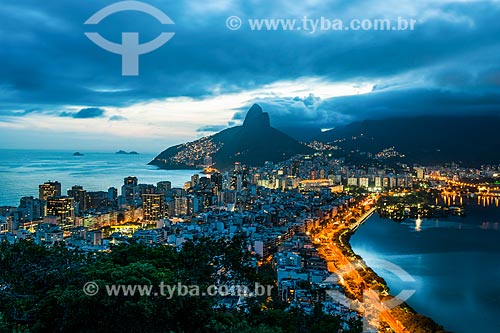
x,y
455,262
21,171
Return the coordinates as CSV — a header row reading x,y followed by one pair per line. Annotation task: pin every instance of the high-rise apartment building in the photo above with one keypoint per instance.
x,y
48,190
153,207
81,198
63,209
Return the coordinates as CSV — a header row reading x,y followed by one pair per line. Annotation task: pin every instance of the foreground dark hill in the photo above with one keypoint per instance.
x,y
253,143
472,140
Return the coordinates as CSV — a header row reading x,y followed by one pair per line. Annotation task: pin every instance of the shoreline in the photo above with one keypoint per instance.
x,y
396,318
441,245
106,169
405,306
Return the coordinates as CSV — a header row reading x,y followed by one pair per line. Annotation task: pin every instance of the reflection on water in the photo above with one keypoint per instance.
x,y
489,226
418,224
460,200
455,262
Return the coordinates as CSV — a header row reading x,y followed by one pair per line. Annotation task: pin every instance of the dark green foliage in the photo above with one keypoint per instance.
x,y
41,290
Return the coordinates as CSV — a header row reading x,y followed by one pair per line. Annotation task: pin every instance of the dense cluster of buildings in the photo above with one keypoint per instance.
x,y
303,279
274,206
271,203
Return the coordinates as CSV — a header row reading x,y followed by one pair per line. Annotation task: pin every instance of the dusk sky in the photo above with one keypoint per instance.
x,y
61,91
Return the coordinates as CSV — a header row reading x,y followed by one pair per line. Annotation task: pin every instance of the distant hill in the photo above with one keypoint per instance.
x,y
472,140
253,143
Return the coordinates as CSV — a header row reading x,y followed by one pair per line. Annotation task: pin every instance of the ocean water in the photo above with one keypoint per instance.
x,y
455,263
21,171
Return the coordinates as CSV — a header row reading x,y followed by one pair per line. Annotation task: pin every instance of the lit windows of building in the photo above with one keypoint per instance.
x,y
153,207
48,190
63,210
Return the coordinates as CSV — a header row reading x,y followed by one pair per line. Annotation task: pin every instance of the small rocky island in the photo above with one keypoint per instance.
x,y
123,152
77,154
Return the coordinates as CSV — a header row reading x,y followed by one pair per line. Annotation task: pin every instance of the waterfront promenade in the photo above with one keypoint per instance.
x,y
347,268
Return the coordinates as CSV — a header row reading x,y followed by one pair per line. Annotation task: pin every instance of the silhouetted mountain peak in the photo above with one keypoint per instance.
x,y
252,144
256,117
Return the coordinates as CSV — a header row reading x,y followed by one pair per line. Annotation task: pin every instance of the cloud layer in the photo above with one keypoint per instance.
x,y
448,64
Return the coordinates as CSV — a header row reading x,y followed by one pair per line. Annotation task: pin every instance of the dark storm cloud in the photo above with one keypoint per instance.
x,y
296,112
49,63
87,113
402,103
